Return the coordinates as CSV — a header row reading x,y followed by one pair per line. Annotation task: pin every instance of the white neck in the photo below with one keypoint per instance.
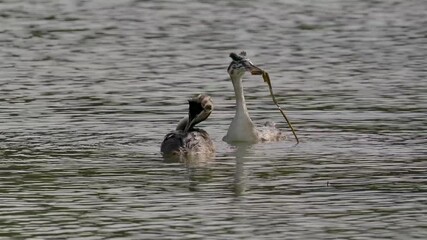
x,y
240,97
241,128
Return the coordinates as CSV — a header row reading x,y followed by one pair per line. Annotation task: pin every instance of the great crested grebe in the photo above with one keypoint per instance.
x,y
242,129
186,139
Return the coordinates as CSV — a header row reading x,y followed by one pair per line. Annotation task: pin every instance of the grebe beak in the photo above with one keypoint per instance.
x,y
254,70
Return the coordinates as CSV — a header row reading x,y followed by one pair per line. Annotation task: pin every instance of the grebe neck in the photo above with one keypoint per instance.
x,y
241,128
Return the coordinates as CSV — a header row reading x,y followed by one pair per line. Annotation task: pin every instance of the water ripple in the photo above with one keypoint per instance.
x,y
89,88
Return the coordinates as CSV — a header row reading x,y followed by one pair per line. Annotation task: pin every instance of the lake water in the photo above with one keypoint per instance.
x,y
88,89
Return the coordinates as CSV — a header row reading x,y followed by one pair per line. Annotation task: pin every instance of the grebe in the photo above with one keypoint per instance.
x,y
187,140
242,129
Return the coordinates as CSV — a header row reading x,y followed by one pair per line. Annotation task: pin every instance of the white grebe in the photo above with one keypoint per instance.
x,y
187,140
242,129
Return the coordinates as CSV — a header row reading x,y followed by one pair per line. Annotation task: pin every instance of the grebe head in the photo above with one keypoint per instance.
x,y
240,65
200,107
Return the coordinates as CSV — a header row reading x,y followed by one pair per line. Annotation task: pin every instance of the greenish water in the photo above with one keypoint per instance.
x,y
88,89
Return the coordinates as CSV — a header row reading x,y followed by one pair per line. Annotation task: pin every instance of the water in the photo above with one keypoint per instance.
x,y
89,89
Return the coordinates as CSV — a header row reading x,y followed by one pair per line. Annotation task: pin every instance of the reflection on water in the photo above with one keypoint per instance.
x,y
240,176
88,89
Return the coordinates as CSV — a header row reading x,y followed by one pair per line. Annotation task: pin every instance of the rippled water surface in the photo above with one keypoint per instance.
x,y
89,89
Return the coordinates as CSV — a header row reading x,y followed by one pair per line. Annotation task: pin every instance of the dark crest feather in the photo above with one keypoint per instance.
x,y
195,108
236,57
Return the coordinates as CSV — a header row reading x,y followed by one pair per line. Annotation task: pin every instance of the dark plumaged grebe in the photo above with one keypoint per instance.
x,y
186,139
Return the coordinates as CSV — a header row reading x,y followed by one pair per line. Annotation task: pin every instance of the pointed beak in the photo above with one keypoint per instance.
x,y
254,70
